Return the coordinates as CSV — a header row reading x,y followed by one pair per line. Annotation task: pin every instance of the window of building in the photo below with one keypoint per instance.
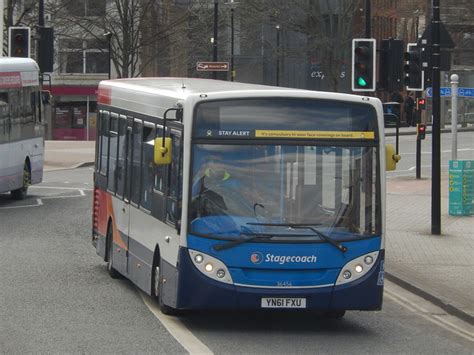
x,y
85,8
88,56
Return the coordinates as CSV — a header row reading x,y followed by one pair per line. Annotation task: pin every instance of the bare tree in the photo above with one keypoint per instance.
x,y
127,21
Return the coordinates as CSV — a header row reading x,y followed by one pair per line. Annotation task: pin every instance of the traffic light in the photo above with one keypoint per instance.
x,y
413,70
420,103
420,131
19,42
391,65
46,49
363,64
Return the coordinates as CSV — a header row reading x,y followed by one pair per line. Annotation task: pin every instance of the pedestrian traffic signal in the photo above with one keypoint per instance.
x,y
19,42
413,70
420,103
363,64
420,131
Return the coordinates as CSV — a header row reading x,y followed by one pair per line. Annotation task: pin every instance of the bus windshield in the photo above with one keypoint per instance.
x,y
260,189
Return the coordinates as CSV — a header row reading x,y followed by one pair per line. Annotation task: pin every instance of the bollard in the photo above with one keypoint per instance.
x,y
454,116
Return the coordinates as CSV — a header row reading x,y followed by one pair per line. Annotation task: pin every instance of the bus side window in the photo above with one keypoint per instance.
x,y
136,162
113,140
121,155
173,207
4,112
161,171
148,167
104,141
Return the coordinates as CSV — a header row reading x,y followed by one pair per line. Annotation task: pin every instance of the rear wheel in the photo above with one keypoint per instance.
x,y
20,194
110,249
157,282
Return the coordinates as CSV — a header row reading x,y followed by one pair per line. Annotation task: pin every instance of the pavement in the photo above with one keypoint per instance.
x,y
438,268
68,154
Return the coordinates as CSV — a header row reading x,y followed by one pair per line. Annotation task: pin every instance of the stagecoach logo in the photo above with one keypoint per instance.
x,y
209,133
256,257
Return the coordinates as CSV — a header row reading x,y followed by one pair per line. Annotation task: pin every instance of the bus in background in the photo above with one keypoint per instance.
x,y
218,195
21,128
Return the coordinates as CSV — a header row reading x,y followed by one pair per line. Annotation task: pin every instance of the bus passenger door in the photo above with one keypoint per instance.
x,y
122,200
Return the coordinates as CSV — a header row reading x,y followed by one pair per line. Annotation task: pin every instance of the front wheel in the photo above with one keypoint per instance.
x,y
20,194
157,282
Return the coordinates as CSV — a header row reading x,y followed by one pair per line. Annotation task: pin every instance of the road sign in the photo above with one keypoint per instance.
x,y
446,91
212,66
466,92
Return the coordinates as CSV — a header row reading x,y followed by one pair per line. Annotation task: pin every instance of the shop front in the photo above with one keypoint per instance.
x,y
74,112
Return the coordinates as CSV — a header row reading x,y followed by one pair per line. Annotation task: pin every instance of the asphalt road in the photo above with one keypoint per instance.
x,y
57,297
407,151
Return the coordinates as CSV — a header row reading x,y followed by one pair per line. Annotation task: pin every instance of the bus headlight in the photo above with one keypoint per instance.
x,y
357,268
210,266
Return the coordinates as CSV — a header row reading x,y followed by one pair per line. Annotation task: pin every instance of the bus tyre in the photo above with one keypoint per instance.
x,y
110,248
335,314
156,289
20,194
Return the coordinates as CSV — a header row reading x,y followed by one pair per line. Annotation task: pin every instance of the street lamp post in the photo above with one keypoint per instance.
x,y
232,73
277,55
108,35
214,42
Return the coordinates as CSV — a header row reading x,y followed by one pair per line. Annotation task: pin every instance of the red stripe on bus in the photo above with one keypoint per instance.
x,y
104,95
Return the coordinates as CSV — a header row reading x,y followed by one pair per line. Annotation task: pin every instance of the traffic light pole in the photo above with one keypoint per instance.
x,y
367,19
436,136
418,140
418,158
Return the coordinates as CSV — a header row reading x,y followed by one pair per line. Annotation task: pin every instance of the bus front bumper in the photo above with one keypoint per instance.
x,y
194,290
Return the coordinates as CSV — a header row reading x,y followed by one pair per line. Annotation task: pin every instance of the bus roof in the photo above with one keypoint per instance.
x,y
180,88
13,64
154,95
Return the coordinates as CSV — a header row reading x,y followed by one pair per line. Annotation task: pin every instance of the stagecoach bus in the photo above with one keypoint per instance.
x,y
21,129
222,195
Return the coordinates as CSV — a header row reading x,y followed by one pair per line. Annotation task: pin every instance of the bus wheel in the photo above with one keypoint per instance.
x,y
20,194
110,248
335,314
156,290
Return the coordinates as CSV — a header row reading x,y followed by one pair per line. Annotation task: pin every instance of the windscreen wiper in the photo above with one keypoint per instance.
x,y
309,226
246,237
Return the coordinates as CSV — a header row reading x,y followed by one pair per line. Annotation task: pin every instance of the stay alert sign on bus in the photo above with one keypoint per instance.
x,y
212,66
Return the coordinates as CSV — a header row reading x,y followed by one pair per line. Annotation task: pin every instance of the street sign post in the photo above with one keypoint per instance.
x,y
212,66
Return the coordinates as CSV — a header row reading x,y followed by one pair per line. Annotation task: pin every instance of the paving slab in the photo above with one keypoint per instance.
x,y
439,265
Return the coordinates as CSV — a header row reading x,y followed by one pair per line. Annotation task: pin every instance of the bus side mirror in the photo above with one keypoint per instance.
x,y
162,152
391,159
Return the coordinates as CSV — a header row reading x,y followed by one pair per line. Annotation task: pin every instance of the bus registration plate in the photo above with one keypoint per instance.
x,y
274,302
